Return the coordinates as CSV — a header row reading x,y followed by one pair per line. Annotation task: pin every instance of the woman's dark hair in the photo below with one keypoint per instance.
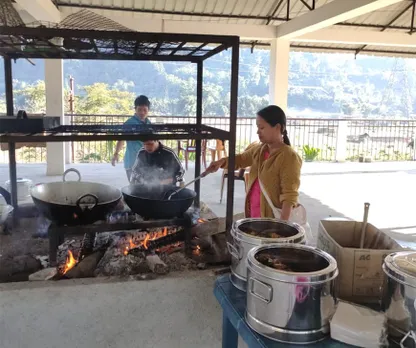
x,y
142,100
274,115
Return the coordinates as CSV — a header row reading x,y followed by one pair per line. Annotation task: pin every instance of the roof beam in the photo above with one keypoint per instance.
x,y
358,37
329,14
245,31
41,10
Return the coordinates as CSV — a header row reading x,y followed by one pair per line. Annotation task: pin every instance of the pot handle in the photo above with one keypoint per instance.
x,y
234,252
260,290
71,170
93,205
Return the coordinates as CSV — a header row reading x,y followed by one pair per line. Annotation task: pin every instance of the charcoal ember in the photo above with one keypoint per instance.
x,y
115,263
73,245
178,262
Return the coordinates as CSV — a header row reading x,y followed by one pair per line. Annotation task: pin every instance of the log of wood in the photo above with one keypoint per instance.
x,y
221,225
212,227
86,267
156,265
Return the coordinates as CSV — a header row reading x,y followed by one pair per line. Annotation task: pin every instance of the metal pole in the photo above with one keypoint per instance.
x,y
71,110
13,175
8,77
9,85
288,10
198,150
233,130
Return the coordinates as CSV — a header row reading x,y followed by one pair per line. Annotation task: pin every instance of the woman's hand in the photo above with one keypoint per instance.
x,y
214,166
286,211
114,160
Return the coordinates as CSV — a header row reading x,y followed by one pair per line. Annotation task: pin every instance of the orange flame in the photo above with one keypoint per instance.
x,y
146,240
201,220
70,262
145,243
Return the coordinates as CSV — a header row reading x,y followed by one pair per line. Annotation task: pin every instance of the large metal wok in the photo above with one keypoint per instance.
x,y
149,201
75,202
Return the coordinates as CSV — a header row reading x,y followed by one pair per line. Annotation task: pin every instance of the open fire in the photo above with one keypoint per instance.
x,y
122,245
70,262
145,243
129,251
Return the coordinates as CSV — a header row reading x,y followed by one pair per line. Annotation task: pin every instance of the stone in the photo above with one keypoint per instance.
x,y
43,274
145,276
201,265
26,264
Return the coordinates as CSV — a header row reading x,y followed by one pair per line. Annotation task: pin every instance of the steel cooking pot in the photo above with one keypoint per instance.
x,y
75,202
243,240
290,292
399,295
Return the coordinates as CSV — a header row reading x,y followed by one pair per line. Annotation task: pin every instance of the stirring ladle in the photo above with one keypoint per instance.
x,y
181,188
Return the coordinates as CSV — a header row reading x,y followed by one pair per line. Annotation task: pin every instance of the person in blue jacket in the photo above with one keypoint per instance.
x,y
141,108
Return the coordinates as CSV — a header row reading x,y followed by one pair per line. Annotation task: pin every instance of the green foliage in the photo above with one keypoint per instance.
x,y
310,153
32,98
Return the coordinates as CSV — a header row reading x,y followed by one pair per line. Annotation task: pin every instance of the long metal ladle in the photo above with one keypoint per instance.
x,y
181,188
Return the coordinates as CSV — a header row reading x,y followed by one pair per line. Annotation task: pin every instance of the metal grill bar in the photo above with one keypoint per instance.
x,y
119,132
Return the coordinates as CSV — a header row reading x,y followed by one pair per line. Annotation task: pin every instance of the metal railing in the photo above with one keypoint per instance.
x,y
381,140
313,139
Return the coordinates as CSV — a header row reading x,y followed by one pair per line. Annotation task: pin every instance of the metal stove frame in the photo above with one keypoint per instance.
x,y
141,46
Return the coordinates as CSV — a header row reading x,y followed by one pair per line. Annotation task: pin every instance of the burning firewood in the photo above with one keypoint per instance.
x,y
156,265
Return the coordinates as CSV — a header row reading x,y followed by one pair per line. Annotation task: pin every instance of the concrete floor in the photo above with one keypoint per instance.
x,y
180,311
170,312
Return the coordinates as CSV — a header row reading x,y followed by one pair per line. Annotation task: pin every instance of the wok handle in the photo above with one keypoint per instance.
x,y
71,170
78,202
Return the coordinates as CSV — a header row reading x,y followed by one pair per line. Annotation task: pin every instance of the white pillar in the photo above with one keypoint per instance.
x,y
279,72
341,144
54,86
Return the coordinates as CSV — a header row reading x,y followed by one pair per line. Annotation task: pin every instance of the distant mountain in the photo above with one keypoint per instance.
x,y
319,83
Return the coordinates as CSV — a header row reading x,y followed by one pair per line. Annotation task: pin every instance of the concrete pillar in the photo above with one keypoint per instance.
x,y
55,152
279,72
341,144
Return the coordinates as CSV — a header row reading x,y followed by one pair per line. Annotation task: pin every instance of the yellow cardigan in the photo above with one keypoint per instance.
x,y
279,174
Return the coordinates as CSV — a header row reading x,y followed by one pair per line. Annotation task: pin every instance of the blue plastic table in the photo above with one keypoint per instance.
x,y
233,303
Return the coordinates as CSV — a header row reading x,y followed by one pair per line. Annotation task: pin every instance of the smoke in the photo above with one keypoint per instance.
x,y
152,177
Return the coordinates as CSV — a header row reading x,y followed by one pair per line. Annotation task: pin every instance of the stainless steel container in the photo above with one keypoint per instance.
x,y
294,305
243,241
399,296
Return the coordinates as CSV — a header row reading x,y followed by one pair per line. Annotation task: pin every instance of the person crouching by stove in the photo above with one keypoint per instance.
x,y
157,164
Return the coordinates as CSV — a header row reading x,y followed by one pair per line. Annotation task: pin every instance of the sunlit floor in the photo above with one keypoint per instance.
x,y
180,311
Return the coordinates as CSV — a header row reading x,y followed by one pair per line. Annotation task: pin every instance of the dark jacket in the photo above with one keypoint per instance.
x,y
151,168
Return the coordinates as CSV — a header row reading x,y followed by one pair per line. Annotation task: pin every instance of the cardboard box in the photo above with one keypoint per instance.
x,y
360,276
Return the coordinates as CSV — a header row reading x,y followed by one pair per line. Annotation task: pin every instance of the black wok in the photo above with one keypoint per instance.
x,y
147,201
75,202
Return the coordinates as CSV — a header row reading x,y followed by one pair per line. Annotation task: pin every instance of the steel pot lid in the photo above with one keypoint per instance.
x,y
315,266
401,266
288,231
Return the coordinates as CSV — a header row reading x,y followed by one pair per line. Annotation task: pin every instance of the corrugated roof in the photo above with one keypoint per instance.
x,y
398,16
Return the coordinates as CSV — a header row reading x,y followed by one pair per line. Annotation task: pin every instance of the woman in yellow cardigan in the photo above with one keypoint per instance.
x,y
275,168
